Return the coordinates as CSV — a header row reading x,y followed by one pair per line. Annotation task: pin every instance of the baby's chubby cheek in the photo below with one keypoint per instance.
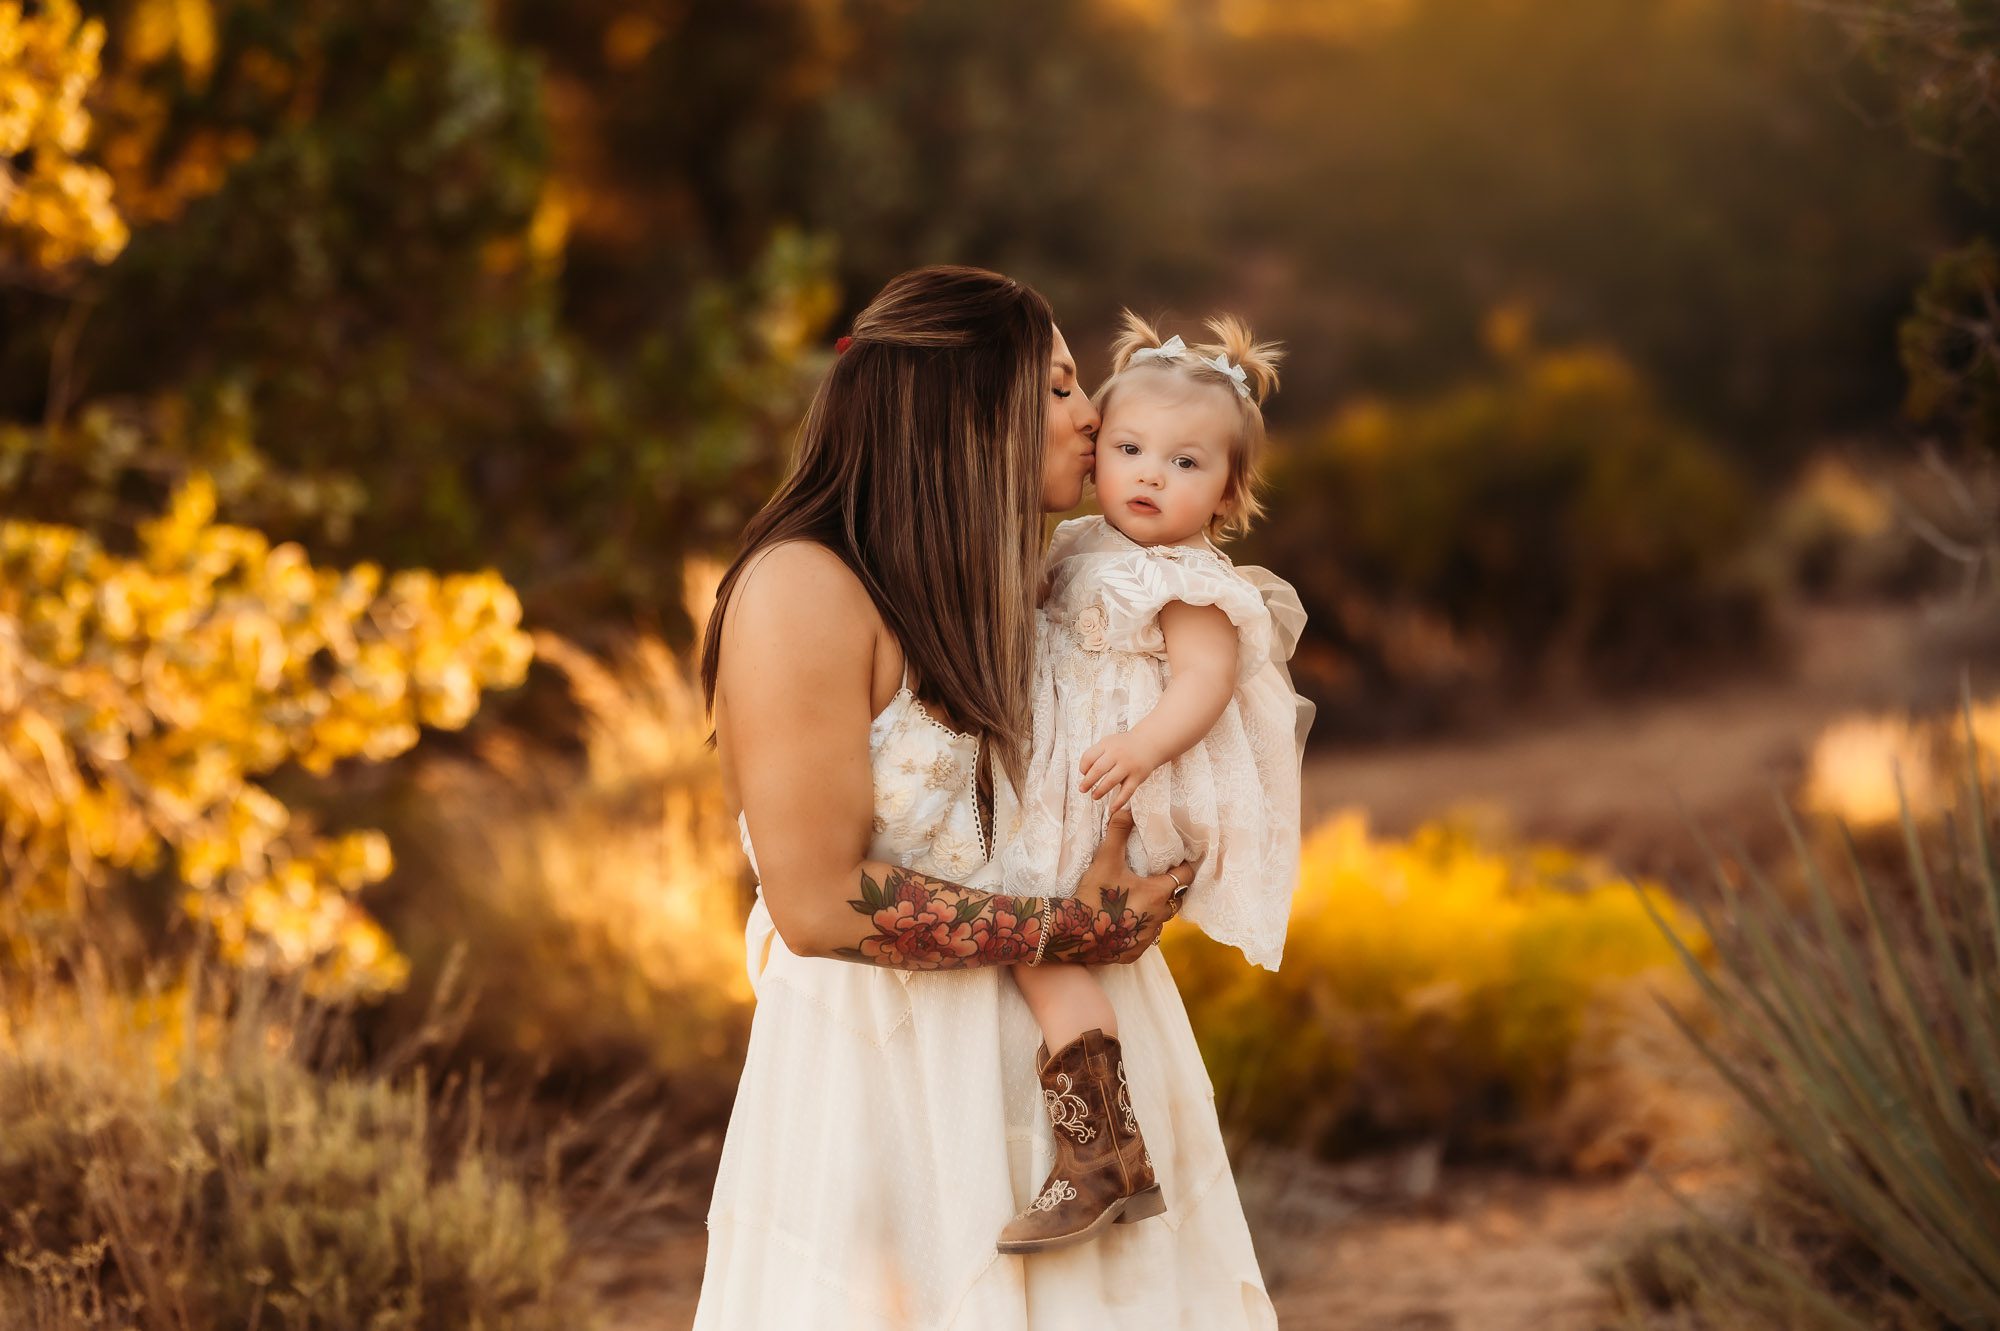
x,y
1100,469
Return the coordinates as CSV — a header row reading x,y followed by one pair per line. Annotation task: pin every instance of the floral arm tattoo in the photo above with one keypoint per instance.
x,y
925,924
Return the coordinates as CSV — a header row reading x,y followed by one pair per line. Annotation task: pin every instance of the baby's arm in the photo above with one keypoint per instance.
x,y
1201,651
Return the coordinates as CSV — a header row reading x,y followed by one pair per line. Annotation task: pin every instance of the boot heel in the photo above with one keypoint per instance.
x,y
1143,1205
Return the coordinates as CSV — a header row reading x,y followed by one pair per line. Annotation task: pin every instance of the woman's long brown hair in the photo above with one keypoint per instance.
x,y
919,465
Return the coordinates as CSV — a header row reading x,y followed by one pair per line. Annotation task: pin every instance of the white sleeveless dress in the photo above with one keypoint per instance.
x,y
888,1123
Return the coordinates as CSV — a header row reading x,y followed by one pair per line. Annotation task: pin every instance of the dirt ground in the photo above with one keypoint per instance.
x,y
1390,1243
1397,1242
1385,1243
1618,779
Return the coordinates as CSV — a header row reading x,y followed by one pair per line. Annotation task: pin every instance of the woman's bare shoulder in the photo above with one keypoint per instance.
x,y
800,595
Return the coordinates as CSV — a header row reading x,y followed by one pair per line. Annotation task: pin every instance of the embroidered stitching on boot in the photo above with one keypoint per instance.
x,y
1058,1192
1125,1105
1067,1109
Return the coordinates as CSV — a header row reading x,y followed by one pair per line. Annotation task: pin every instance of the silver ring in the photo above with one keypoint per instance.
x,y
1179,886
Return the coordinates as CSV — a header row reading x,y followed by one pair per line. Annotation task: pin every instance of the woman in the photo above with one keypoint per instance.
x,y
868,667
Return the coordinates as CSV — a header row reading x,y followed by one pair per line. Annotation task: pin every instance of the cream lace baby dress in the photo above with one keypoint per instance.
x,y
1101,666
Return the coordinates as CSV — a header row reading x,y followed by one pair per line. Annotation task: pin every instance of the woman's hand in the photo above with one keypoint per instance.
x,y
1116,914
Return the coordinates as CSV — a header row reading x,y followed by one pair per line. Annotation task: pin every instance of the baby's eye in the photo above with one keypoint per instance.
x,y
1184,462
1128,449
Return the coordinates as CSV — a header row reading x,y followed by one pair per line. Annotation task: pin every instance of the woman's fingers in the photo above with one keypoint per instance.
x,y
1172,880
1117,835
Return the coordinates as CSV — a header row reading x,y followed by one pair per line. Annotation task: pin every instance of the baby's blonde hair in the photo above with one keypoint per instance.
x,y
1259,361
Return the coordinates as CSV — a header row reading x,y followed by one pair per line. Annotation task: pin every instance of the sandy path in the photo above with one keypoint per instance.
x,y
1477,1249
1607,778
1383,1243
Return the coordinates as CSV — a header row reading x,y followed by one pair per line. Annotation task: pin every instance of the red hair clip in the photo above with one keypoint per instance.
x,y
841,344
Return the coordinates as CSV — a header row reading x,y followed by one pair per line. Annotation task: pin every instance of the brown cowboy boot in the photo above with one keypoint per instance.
x,y
1102,1172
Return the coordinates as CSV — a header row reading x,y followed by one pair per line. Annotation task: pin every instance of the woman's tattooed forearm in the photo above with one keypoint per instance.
x,y
1079,933
924,923
927,924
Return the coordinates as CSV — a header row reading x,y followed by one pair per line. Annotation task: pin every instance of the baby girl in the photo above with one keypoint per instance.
x,y
1160,684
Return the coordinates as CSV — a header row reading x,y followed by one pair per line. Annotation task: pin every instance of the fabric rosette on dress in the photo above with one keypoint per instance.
x,y
1232,800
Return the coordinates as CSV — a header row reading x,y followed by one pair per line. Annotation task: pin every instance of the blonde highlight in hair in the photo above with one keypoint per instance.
x,y
919,465
1259,361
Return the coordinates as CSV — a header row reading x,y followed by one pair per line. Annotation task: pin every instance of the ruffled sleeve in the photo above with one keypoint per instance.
x,y
1112,601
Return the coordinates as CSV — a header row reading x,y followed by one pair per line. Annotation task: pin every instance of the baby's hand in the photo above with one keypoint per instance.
x,y
1115,766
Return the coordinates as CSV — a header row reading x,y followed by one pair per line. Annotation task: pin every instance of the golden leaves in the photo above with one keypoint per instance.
x,y
143,693
59,209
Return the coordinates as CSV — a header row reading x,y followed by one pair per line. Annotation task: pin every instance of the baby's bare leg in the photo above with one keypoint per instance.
x,y
1067,1000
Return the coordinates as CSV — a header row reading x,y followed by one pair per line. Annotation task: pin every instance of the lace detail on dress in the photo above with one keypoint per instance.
x,y
1108,590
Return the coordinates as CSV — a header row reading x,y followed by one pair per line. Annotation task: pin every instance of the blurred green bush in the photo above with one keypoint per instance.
x,y
348,241
181,1155
1556,522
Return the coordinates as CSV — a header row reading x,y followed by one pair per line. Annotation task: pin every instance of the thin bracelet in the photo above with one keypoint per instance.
x,y
1048,906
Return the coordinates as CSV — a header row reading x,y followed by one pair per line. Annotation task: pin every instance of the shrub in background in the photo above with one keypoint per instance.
x,y
141,697
1870,1050
1551,514
599,897
193,1153
1444,986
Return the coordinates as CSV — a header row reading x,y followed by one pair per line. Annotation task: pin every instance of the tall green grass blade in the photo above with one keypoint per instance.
x,y
1974,1033
1907,1012
1985,1001
1827,1084
1816,1139
1833,929
1799,964
1862,1078
1826,1311
1794,1037
1946,1122
1850,1190
1989,871
1725,1004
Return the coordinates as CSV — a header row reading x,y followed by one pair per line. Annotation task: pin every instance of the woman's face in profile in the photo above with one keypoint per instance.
x,y
1070,448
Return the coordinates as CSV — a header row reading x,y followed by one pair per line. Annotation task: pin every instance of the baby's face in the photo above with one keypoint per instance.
x,y
1163,460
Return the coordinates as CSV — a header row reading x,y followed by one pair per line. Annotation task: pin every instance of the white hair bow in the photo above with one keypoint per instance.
x,y
1168,349
1221,362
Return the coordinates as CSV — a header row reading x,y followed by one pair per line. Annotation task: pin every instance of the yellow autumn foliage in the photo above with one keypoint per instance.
x,y
58,209
612,874
1441,983
140,695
